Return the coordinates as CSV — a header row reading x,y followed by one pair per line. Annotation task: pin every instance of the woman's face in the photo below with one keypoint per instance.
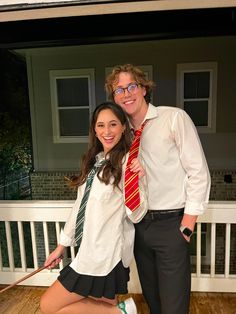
x,y
108,129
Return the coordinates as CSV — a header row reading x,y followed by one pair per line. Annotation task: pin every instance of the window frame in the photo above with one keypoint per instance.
x,y
210,67
88,73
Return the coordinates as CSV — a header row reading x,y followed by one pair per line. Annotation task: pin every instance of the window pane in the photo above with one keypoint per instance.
x,y
72,92
198,111
74,122
196,85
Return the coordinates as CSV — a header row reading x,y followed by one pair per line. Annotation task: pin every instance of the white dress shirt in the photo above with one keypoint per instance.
x,y
177,172
108,234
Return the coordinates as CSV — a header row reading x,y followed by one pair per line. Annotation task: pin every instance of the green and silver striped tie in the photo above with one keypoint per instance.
x,y
81,214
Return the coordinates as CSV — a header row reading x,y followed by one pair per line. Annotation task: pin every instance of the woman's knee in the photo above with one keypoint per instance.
x,y
49,303
44,304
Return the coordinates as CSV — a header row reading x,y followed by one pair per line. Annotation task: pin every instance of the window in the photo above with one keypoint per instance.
x,y
196,93
73,101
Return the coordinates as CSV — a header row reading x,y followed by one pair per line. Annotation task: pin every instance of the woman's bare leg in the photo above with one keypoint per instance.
x,y
58,300
109,301
57,297
90,306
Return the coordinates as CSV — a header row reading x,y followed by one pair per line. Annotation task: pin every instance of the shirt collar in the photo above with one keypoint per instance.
x,y
100,156
151,114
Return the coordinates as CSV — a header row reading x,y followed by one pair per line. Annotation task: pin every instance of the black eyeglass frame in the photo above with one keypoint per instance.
x,y
134,85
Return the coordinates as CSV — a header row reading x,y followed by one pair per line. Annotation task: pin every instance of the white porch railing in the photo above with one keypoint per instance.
x,y
40,216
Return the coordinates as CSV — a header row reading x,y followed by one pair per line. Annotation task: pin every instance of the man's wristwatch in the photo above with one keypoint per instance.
x,y
185,230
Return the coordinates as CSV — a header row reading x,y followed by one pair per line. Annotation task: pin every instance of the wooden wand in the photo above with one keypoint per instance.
x,y
24,278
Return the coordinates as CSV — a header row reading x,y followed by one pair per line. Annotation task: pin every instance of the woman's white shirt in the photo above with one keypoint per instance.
x,y
108,234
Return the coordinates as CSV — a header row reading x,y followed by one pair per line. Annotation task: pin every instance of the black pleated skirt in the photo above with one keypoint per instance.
x,y
115,282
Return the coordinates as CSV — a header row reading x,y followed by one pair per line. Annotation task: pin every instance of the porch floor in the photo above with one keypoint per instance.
x,y
25,300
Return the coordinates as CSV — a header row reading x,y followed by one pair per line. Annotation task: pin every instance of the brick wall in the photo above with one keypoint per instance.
x,y
53,186
223,185
49,186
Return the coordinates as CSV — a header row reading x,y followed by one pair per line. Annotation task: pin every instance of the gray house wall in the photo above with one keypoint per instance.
x,y
163,55
54,161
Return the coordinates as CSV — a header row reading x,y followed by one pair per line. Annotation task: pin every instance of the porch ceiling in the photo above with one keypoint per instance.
x,y
122,27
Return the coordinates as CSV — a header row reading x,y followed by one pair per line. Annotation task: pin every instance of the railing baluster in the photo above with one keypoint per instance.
x,y
227,249
57,224
198,259
213,248
72,252
22,246
9,246
45,235
34,246
1,264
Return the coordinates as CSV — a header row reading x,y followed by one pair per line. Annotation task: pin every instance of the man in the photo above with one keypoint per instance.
x,y
178,190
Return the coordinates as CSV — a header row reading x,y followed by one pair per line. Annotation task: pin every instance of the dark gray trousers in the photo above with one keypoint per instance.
x,y
163,263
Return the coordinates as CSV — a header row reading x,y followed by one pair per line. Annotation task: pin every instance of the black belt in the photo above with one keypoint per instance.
x,y
163,214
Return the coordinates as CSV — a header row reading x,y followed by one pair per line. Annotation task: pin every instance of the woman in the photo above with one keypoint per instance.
x,y
100,269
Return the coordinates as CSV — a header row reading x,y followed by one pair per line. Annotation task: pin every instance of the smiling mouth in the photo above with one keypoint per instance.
x,y
128,102
108,139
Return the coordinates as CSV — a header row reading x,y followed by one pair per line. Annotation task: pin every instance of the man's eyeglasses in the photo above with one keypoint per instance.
x,y
131,88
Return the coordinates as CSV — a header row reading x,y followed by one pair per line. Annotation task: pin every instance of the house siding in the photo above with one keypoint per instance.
x,y
163,56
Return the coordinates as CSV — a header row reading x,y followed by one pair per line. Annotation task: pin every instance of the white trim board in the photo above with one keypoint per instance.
x,y
110,8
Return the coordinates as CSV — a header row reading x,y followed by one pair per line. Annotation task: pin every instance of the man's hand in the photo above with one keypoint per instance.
x,y
137,167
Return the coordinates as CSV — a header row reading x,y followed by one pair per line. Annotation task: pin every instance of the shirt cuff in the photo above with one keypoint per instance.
x,y
194,208
65,240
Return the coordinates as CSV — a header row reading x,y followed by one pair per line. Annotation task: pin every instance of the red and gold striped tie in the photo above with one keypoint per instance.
x,y
132,197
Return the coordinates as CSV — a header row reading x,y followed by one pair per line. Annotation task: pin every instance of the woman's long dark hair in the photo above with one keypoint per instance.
x,y
112,171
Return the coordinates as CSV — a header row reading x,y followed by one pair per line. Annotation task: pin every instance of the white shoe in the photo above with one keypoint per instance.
x,y
128,306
